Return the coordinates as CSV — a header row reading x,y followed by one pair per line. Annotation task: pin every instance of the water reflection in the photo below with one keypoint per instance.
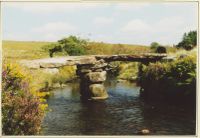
x,y
122,114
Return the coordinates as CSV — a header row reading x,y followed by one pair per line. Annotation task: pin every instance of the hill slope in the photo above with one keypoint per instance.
x,y
15,50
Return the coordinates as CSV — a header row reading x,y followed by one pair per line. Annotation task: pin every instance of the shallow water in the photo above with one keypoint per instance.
x,y
123,113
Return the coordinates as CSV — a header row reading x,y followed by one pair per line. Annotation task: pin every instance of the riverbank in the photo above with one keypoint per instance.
x,y
171,82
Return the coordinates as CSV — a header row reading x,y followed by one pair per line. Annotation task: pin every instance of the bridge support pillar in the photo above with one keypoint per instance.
x,y
92,77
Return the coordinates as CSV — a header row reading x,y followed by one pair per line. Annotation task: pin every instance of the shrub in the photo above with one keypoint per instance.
x,y
154,45
73,45
65,74
175,81
157,48
22,112
127,71
161,49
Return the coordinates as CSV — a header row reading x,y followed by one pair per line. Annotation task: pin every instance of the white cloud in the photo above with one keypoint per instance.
x,y
131,6
54,30
55,27
170,24
44,7
103,21
136,26
164,25
165,30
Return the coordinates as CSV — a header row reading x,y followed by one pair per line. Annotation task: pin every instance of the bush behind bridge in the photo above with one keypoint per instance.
x,y
172,81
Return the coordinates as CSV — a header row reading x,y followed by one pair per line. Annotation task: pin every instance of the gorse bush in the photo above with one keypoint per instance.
x,y
22,111
172,81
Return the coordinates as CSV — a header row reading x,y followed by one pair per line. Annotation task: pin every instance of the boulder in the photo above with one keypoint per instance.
x,y
145,131
96,77
84,60
98,91
100,64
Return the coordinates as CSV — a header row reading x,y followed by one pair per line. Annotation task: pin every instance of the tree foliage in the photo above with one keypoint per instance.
x,y
157,48
154,45
72,45
161,49
189,41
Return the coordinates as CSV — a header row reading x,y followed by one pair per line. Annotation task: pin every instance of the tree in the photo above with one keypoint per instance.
x,y
161,49
193,37
52,48
154,45
157,48
73,46
189,41
56,48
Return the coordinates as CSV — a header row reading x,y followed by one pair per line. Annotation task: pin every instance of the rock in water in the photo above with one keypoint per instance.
x,y
145,131
98,91
96,77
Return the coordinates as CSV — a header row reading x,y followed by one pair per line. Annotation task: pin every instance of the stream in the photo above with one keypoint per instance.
x,y
123,113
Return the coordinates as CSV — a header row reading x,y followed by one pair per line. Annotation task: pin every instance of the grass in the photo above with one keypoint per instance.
x,y
95,48
17,50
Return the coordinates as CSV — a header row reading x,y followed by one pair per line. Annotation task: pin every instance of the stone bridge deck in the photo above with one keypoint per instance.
x,y
89,59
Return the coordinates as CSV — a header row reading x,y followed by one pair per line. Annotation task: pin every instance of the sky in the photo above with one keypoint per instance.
x,y
114,22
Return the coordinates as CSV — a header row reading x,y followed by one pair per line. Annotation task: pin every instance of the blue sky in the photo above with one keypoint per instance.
x,y
131,23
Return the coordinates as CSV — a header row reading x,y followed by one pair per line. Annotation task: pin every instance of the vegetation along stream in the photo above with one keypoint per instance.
x,y
123,113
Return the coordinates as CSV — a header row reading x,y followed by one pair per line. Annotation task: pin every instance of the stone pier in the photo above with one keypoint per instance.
x,y
92,77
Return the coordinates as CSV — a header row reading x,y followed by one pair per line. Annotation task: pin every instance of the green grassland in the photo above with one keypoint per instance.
x,y
16,50
112,49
